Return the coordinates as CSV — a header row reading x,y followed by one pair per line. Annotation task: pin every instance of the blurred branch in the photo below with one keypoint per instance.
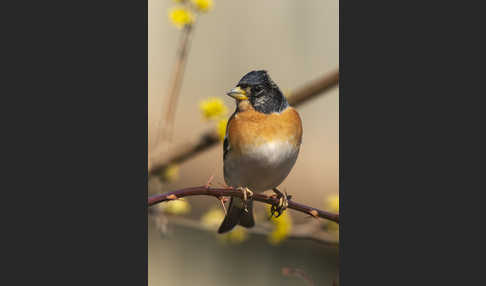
x,y
225,192
314,88
161,160
184,152
299,273
312,230
173,95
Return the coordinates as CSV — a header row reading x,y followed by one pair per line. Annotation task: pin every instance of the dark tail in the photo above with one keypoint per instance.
x,y
237,215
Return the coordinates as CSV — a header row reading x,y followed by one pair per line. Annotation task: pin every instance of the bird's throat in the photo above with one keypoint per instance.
x,y
244,105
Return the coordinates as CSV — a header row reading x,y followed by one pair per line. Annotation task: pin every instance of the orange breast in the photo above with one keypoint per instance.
x,y
250,128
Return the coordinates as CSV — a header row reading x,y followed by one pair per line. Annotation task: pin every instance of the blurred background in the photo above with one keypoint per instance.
x,y
296,42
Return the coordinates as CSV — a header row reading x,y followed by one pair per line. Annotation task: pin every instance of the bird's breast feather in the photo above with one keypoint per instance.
x,y
251,129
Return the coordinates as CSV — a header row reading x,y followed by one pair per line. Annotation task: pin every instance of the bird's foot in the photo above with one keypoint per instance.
x,y
247,193
283,202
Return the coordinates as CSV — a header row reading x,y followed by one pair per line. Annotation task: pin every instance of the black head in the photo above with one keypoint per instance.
x,y
263,94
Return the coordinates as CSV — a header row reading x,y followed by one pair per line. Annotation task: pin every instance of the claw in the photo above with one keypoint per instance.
x,y
246,194
281,206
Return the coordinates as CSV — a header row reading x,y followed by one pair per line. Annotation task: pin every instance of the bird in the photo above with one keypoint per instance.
x,y
261,145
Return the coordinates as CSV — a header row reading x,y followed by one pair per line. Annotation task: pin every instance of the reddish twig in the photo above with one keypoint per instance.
x,y
175,87
287,271
225,192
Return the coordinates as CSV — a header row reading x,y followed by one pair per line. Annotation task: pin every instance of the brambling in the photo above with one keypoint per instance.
x,y
261,145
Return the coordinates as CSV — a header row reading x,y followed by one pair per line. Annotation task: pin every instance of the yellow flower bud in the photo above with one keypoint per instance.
x,y
170,173
221,129
180,16
177,207
212,218
213,108
333,206
333,203
283,226
203,5
237,235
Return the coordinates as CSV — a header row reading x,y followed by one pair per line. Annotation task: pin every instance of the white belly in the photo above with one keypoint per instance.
x,y
262,169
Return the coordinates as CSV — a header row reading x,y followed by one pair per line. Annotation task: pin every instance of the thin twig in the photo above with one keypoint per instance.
x,y
287,271
173,95
225,192
160,160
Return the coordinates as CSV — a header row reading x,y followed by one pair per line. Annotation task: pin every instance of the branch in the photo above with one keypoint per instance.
x,y
311,230
173,95
210,138
314,88
224,192
299,273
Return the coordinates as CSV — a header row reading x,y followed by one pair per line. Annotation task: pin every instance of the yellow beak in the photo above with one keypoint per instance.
x,y
238,93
